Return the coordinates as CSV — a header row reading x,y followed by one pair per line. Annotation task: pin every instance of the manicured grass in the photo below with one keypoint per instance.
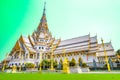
x,y
57,76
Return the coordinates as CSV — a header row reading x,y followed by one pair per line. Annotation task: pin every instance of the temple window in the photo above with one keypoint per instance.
x,y
15,56
24,56
37,55
31,56
19,63
35,47
12,57
16,64
99,46
48,56
42,29
41,40
107,45
39,47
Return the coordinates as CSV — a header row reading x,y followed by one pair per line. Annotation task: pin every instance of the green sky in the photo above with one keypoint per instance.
x,y
66,19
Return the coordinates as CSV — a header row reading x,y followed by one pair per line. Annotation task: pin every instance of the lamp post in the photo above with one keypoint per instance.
x,y
105,54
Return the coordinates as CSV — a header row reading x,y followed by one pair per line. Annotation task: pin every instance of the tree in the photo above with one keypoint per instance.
x,y
55,64
105,66
117,62
72,62
29,65
118,53
80,62
84,65
44,64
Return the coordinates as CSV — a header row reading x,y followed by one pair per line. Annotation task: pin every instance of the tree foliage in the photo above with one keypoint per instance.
x,y
47,63
84,65
72,62
118,52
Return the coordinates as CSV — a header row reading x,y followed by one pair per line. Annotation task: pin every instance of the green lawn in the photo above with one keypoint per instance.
x,y
57,76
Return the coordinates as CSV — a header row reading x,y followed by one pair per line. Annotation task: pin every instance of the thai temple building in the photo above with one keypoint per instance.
x,y
41,45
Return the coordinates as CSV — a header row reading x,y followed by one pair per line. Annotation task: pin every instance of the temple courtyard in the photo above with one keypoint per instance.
x,y
60,76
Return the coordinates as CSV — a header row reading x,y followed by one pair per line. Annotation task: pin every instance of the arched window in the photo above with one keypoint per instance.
x,y
16,64
39,47
31,56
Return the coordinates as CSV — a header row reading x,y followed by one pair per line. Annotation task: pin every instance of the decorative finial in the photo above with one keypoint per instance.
x,y
96,35
89,33
110,41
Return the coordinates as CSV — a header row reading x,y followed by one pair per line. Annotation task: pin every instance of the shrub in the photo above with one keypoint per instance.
x,y
72,62
84,65
105,66
29,65
55,64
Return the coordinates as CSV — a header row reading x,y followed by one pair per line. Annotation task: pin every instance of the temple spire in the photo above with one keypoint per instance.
x,y
44,8
43,21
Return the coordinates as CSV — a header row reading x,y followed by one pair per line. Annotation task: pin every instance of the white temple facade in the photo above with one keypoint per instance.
x,y
29,49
